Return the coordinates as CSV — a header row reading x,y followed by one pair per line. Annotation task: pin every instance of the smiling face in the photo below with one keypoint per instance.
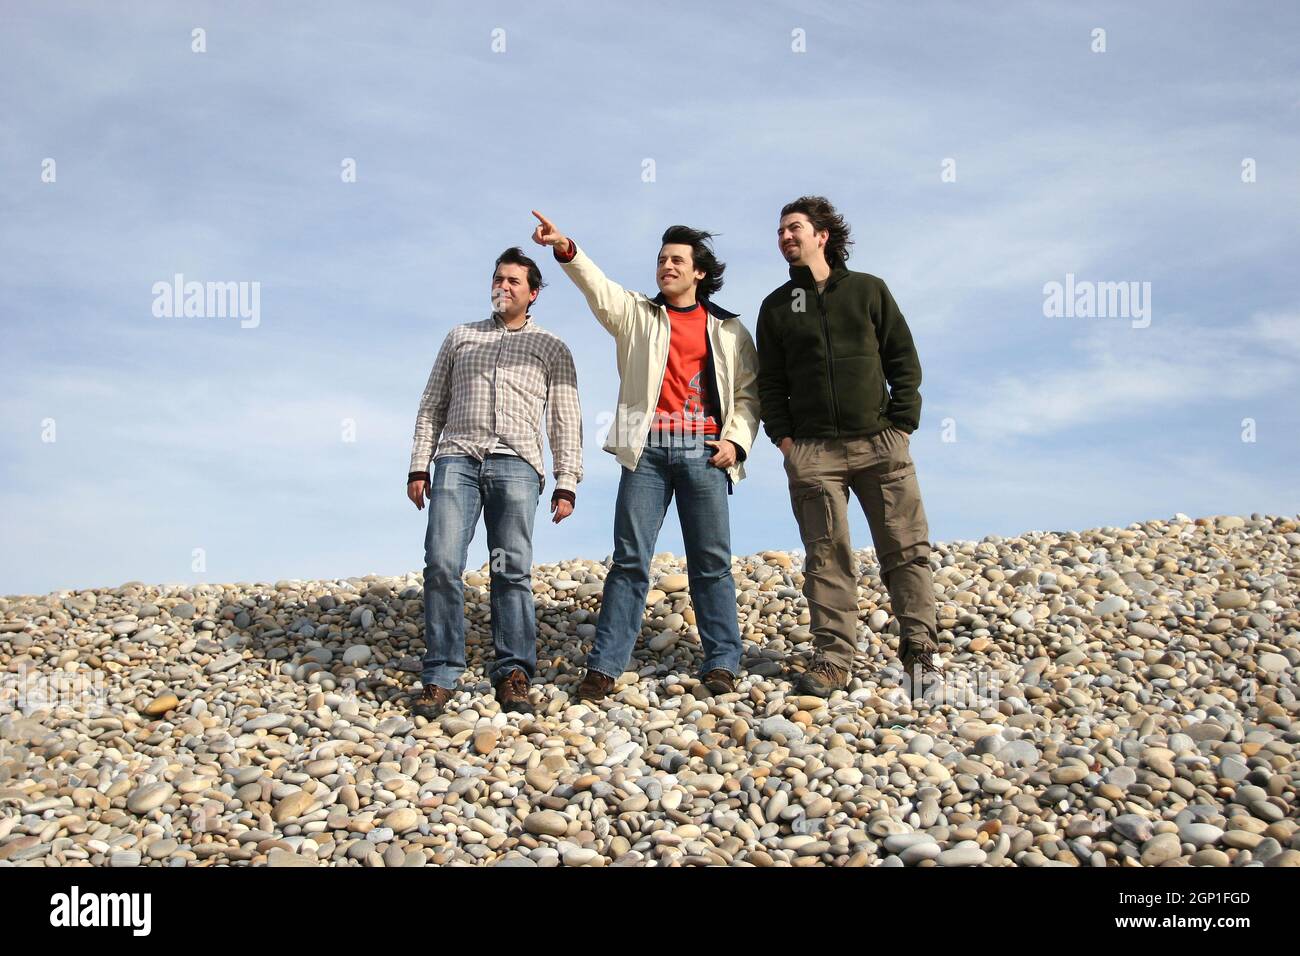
x,y
800,243
511,296
676,272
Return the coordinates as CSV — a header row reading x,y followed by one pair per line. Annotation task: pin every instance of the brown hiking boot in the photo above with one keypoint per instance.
x,y
822,678
719,681
595,685
512,693
918,650
431,702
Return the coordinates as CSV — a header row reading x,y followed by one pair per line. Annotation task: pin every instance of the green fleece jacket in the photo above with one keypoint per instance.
x,y
835,364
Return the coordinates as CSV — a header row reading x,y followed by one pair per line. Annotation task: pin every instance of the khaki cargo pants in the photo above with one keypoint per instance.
x,y
879,470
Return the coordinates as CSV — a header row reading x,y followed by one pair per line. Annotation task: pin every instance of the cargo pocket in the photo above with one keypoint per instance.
x,y
812,512
904,517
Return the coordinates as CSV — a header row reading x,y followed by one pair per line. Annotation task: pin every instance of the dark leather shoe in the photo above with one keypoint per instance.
x,y
512,693
719,681
595,685
431,702
822,678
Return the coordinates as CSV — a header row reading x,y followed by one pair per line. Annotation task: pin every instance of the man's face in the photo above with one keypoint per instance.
x,y
511,296
676,273
799,242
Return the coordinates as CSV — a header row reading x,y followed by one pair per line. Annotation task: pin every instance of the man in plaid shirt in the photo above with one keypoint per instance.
x,y
480,420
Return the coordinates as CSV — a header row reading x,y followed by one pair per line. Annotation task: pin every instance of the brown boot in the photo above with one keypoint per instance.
x,y
431,702
822,678
594,686
512,693
719,681
917,653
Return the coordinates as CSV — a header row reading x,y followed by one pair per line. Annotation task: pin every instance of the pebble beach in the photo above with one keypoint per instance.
x,y
1114,697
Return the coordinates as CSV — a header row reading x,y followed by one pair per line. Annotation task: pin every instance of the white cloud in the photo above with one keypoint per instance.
x,y
1116,374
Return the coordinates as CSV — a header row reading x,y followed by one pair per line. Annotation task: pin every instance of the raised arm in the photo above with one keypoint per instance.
x,y
608,301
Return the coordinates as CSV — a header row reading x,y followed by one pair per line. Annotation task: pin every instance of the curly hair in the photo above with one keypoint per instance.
x,y
824,218
702,256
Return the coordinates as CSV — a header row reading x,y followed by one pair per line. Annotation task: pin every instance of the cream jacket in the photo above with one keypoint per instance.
x,y
641,330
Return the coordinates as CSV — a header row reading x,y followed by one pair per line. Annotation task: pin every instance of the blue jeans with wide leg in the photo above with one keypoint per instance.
x,y
670,464
505,489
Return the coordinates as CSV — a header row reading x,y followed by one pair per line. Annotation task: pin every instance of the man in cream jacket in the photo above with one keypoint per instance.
x,y
687,414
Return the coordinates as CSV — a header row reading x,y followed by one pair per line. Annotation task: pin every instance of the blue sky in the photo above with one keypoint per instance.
x,y
173,434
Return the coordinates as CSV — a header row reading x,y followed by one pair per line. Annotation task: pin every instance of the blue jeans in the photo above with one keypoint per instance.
x,y
668,464
505,489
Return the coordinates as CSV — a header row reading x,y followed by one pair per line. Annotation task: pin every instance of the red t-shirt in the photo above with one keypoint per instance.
x,y
683,397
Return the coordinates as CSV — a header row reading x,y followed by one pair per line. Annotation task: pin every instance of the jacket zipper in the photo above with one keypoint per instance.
x,y
668,347
713,362
717,392
830,365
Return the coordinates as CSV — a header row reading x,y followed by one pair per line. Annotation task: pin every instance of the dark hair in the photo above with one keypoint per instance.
x,y
514,256
824,218
702,257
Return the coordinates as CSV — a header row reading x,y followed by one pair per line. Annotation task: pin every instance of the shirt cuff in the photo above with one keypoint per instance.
x,y
568,254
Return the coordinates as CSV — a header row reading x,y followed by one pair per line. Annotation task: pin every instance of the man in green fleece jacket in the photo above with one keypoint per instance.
x,y
838,386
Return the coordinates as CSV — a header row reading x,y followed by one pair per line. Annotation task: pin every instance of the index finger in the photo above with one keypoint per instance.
x,y
542,219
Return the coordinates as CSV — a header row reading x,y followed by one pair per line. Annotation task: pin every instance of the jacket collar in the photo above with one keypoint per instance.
x,y
715,310
499,323
802,276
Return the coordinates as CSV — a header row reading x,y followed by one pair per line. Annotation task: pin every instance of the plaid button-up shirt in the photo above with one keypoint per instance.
x,y
492,384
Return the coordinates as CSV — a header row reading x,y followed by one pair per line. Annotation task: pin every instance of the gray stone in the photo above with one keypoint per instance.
x,y
1233,768
920,744
771,727
1161,849
965,853
925,850
357,655
1122,777
1133,827
266,722
1019,753
897,842
148,798
1200,834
